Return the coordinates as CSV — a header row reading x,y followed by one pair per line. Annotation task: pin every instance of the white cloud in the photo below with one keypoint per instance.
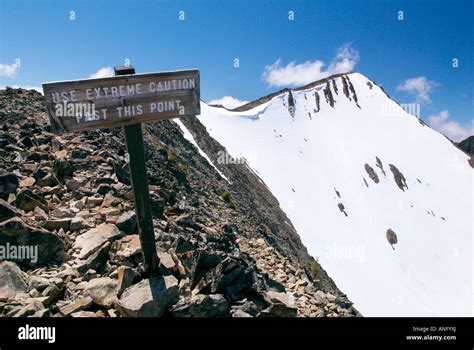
x,y
37,88
228,102
304,73
103,73
452,129
421,87
8,70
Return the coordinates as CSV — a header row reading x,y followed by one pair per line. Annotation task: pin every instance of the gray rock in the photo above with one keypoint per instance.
x,y
150,298
320,296
78,305
89,275
38,283
8,184
126,275
282,305
97,260
72,184
92,240
280,298
30,309
102,291
167,264
83,314
103,189
48,181
16,232
240,313
127,222
27,200
11,281
200,305
122,175
130,246
76,224
330,297
56,225
41,313
52,293
7,211
68,272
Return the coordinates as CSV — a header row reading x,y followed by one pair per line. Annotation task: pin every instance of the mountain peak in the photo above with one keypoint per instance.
x,y
268,97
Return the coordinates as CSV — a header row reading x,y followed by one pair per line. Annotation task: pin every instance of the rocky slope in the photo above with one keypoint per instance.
x,y
226,248
467,145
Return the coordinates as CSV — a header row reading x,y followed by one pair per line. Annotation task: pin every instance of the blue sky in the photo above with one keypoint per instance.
x,y
412,58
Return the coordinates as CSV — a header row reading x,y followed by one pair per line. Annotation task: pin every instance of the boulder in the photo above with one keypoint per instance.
x,y
103,189
56,225
282,305
97,260
38,283
279,297
102,291
122,175
241,314
30,309
182,245
42,313
7,211
167,264
200,305
149,298
76,224
233,278
130,246
80,154
27,200
62,168
11,281
16,232
8,184
125,276
27,182
89,275
52,293
391,237
73,184
127,223
111,201
78,305
49,180
92,240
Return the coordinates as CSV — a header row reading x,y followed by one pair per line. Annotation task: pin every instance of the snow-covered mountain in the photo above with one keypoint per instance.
x,y
349,166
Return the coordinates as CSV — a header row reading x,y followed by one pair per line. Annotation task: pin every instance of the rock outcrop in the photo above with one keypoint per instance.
x,y
71,196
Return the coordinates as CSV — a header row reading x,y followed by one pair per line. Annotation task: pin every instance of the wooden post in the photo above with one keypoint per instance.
x,y
134,142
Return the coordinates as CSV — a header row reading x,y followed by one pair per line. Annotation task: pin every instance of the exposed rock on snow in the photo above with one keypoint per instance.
x,y
391,237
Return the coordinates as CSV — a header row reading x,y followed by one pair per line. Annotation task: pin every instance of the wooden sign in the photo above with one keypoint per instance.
x,y
121,100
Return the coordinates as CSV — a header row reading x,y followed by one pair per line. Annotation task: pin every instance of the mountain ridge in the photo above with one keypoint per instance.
x,y
385,162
